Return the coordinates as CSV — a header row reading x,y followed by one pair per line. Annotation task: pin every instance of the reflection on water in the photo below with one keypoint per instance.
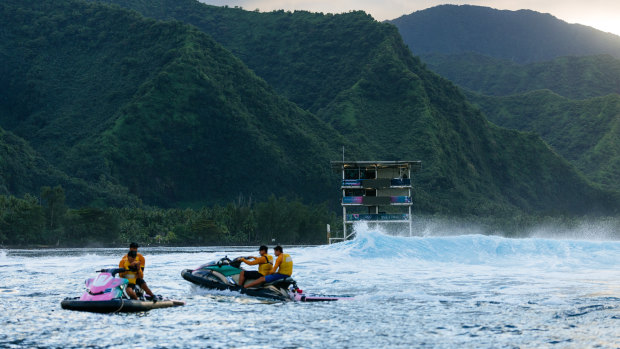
x,y
460,291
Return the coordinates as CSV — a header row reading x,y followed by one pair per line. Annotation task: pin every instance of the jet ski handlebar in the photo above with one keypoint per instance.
x,y
112,271
224,261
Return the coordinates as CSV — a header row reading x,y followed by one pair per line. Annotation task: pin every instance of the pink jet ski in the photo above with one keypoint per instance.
x,y
106,294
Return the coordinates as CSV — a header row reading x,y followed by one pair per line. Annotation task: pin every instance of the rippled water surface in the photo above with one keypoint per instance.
x,y
460,291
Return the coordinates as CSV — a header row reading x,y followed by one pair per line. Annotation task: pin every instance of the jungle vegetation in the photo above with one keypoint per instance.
x,y
47,221
175,109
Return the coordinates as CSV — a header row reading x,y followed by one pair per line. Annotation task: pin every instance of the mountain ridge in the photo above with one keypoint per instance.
x,y
522,36
204,126
583,131
574,77
159,85
223,23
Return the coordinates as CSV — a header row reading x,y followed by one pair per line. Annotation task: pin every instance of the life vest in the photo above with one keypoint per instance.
x,y
286,266
265,268
131,275
139,257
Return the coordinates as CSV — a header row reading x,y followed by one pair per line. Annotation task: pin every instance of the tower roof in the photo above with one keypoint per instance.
x,y
414,165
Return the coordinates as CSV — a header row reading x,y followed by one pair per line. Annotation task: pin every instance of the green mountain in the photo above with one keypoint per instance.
x,y
307,57
571,102
572,77
357,75
254,104
519,36
159,107
23,171
586,132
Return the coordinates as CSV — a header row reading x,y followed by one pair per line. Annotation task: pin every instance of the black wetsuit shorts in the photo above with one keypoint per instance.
x,y
139,282
252,275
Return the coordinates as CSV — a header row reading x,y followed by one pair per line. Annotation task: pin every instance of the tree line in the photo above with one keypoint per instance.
x,y
48,221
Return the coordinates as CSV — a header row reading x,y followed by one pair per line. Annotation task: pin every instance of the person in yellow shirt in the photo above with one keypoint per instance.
x,y
134,247
282,268
264,261
135,264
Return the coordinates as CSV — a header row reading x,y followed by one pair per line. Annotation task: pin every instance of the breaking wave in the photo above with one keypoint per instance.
x,y
480,249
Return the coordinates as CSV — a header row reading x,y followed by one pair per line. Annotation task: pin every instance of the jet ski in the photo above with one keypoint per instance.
x,y
106,294
223,274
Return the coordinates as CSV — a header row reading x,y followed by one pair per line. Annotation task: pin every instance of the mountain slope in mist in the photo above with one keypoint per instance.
x,y
519,36
572,77
586,132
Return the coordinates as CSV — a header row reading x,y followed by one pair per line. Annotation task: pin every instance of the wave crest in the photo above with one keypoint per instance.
x,y
479,249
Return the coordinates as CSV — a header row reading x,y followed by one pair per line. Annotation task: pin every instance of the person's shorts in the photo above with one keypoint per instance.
x,y
275,277
252,275
139,282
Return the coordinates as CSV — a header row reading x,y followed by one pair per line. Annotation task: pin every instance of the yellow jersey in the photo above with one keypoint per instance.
x,y
139,257
265,268
286,264
130,275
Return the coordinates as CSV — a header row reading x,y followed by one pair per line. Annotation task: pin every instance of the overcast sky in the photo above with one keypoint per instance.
x,y
600,14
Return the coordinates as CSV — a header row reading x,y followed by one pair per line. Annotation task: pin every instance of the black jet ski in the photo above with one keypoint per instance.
x,y
223,274
106,294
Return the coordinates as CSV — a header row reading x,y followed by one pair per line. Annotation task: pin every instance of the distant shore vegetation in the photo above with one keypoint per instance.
x,y
46,221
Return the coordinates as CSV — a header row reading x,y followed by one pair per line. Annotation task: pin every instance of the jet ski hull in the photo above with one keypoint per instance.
x,y
117,305
210,282
224,275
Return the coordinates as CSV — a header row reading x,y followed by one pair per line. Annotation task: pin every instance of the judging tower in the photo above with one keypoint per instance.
x,y
377,192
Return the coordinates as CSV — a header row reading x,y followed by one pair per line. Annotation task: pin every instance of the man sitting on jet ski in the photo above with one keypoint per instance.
x,y
264,261
282,269
140,258
134,275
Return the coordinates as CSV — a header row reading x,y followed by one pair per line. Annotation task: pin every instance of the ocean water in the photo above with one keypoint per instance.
x,y
467,291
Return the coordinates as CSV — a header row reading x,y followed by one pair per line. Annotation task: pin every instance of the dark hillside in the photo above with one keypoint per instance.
x,y
392,105
23,171
158,107
69,67
219,131
307,57
586,132
572,77
167,111
469,164
519,36
571,102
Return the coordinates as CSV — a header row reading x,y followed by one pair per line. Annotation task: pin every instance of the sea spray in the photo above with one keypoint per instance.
x,y
477,249
576,228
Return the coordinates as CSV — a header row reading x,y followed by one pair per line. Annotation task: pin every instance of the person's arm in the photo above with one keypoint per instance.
x,y
121,264
142,262
258,260
276,265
